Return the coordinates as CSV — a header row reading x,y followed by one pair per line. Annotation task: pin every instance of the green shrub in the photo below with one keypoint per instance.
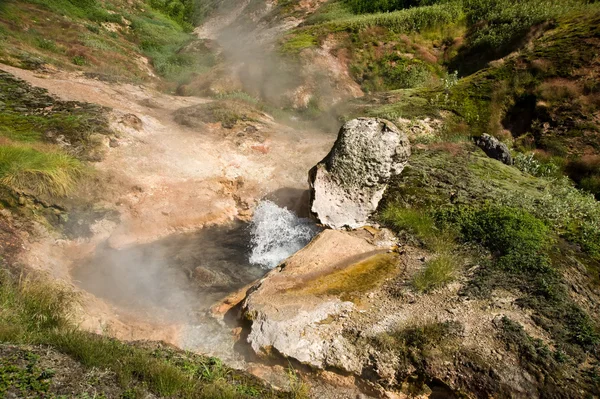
x,y
92,10
392,72
371,6
500,22
31,305
46,44
298,42
519,239
187,13
24,168
410,20
591,184
499,27
79,60
529,164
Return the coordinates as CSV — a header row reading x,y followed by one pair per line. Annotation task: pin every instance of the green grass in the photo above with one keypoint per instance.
x,y
91,10
437,273
298,42
410,20
520,240
372,6
159,30
162,40
187,13
420,224
35,311
27,169
498,26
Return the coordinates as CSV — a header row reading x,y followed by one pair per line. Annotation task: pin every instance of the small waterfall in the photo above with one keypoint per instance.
x,y
276,233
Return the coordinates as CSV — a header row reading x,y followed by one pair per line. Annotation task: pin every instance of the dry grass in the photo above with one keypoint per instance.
x,y
560,89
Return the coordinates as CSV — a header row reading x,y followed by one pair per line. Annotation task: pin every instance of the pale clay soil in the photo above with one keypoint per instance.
x,y
167,179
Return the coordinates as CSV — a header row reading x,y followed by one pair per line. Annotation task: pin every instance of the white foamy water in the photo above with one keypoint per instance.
x,y
276,233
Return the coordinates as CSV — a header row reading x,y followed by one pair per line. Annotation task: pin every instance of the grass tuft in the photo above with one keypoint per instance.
x,y
26,169
437,273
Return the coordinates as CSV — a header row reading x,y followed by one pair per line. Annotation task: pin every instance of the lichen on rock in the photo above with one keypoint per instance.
x,y
347,185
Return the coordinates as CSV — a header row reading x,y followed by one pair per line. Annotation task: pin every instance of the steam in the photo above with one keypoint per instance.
x,y
276,233
247,33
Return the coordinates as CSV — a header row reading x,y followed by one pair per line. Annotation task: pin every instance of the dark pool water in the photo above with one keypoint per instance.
x,y
180,276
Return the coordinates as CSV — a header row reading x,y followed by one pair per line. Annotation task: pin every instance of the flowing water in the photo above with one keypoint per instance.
x,y
177,279
277,234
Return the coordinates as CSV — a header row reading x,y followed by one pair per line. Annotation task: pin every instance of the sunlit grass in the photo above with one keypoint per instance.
x,y
25,168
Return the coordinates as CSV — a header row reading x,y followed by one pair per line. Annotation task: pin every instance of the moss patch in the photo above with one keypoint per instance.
x,y
29,114
228,112
348,283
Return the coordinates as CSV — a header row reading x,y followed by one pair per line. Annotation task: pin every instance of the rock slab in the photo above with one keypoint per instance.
x,y
347,185
291,316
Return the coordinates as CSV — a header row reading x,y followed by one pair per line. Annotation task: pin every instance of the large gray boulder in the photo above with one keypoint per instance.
x,y
348,184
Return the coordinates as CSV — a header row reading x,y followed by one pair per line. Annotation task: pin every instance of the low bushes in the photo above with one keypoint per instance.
x,y
371,6
410,20
519,240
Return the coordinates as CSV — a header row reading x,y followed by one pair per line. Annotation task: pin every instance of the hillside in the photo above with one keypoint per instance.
x,y
138,137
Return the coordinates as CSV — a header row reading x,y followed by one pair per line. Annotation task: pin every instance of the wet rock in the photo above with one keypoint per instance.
x,y
494,148
133,121
348,184
294,313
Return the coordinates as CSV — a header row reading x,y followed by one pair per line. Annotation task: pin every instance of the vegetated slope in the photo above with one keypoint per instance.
x,y
529,236
45,145
527,73
112,39
44,355
531,253
545,98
